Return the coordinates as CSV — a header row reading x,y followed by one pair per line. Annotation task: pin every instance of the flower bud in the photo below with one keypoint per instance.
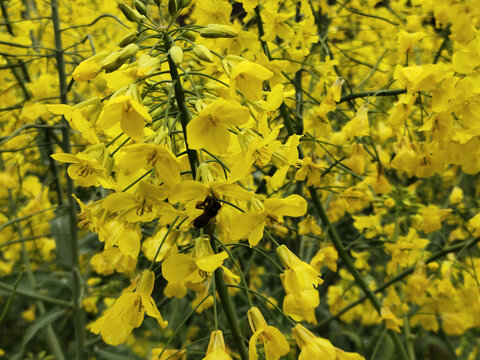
x,y
131,14
129,39
188,35
176,53
172,7
112,62
128,51
182,4
214,31
202,52
140,6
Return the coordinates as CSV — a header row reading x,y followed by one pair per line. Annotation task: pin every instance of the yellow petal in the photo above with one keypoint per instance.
x,y
118,201
293,205
66,158
177,267
211,263
188,190
61,109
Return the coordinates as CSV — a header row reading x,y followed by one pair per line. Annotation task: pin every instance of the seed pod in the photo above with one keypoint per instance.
x,y
129,39
202,52
140,6
176,53
214,31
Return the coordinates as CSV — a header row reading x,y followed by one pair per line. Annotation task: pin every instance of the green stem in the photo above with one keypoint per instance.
x,y
78,314
392,92
182,107
12,294
181,324
227,304
351,267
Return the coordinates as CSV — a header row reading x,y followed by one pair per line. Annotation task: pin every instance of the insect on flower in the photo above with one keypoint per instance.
x,y
210,207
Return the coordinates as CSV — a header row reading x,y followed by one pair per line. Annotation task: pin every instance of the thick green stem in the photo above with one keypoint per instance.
x,y
362,94
78,314
182,108
230,312
226,301
351,267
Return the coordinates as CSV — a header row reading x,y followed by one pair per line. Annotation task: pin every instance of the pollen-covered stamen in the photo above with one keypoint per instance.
x,y
152,157
262,156
84,170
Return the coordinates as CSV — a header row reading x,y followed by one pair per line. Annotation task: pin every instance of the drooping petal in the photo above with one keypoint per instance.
x,y
177,267
245,223
293,205
118,202
212,262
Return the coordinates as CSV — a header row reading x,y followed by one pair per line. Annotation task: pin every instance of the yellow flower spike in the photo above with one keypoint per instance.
x,y
216,347
273,340
248,77
311,346
209,129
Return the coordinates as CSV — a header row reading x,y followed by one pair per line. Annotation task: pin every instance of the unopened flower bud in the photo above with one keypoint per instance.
x,y
172,7
128,51
176,53
202,52
130,14
189,35
112,62
140,6
129,39
214,31
183,3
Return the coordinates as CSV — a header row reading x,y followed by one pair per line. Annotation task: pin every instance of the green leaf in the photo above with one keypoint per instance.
x,y
40,323
59,226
